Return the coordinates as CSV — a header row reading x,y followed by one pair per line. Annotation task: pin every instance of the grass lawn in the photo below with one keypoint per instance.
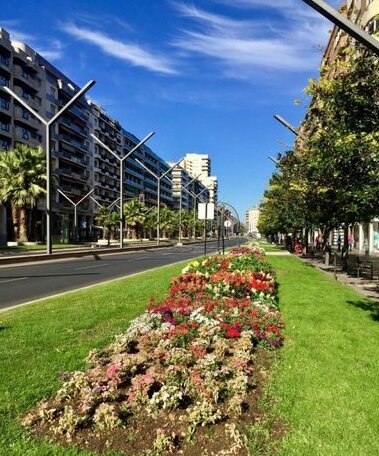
x,y
270,247
326,382
41,340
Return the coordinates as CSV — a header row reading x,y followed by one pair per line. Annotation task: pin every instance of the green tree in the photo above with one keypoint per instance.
x,y
135,216
22,184
109,220
332,176
342,141
167,221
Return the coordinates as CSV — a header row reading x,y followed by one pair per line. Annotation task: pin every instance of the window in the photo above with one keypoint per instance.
x,y
25,133
25,114
5,126
4,145
4,81
25,75
52,90
25,95
4,103
52,109
4,59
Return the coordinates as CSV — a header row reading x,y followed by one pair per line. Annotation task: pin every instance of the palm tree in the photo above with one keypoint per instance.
x,y
187,223
167,220
151,221
135,216
109,220
22,184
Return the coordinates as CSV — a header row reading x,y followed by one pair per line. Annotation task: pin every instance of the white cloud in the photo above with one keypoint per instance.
x,y
52,52
244,47
132,53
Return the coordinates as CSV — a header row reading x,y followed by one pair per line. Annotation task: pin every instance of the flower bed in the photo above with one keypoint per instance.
x,y
188,362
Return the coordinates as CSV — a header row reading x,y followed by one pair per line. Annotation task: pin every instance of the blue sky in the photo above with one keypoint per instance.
x,y
207,76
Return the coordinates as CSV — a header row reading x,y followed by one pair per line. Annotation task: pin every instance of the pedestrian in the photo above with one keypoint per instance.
x,y
350,242
318,242
339,242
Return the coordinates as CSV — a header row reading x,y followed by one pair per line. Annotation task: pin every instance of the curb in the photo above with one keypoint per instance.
x,y
30,258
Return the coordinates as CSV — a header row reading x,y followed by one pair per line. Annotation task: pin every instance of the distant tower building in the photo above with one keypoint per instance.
x,y
199,165
252,219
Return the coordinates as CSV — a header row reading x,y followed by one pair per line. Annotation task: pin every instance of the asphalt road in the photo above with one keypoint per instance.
x,y
24,283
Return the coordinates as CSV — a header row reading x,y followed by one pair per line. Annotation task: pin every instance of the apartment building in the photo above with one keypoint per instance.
x,y
79,164
182,178
200,165
252,219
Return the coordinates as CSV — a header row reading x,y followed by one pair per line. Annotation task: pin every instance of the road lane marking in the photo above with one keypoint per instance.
x,y
13,280
90,267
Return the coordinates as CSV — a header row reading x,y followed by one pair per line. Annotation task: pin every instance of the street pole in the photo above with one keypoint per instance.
x,y
284,122
205,229
223,234
194,209
345,24
48,124
180,218
121,162
274,160
75,209
183,187
159,178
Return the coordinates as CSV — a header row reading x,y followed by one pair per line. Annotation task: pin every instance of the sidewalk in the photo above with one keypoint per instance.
x,y
368,288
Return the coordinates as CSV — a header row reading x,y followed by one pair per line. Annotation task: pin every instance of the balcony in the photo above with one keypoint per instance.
x,y
5,106
79,112
72,158
33,102
30,120
139,174
26,78
134,184
149,190
74,127
5,129
68,139
72,176
3,63
68,190
20,136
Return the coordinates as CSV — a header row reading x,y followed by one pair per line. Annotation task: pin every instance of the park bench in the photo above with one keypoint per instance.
x,y
360,267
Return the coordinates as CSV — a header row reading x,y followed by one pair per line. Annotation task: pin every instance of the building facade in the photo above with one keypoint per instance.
x,y
252,219
184,186
79,163
199,165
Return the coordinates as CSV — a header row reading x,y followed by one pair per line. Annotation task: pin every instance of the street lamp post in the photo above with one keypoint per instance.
x,y
108,207
183,187
194,208
121,162
284,122
159,178
48,123
345,24
274,160
75,211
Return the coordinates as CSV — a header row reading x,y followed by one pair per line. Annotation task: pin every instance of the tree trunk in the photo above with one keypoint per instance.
x,y
15,220
23,235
